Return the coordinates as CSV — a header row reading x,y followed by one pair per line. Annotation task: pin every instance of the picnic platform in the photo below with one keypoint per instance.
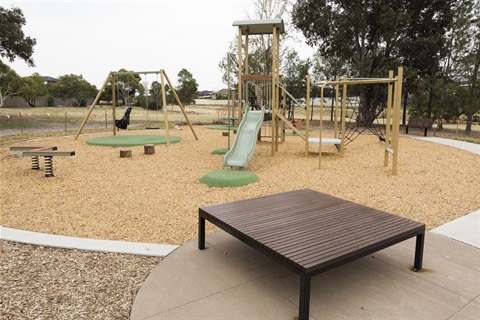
x,y
310,232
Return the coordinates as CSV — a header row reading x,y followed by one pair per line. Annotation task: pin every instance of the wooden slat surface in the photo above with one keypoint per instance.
x,y
26,148
311,230
48,153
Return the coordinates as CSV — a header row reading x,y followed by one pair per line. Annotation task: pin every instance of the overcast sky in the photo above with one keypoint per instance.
x,y
92,38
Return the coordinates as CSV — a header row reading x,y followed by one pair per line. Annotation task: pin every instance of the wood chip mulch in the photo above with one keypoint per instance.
x,y
155,198
45,283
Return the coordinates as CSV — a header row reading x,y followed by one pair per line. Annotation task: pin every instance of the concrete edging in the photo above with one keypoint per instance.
x,y
43,239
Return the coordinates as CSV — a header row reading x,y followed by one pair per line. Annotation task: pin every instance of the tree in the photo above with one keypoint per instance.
x,y
126,86
33,87
10,83
295,72
73,86
472,64
457,42
187,88
374,36
13,43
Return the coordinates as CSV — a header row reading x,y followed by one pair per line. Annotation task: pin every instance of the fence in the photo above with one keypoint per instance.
x,y
18,102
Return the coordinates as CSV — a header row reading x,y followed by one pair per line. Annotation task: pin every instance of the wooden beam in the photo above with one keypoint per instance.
x,y
48,153
93,105
353,82
180,104
114,105
240,72
388,125
164,100
307,119
257,77
396,118
25,148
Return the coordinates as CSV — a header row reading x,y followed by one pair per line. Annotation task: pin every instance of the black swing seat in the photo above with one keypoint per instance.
x,y
125,121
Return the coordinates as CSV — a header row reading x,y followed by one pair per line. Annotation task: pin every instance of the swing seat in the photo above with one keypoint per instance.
x,y
125,121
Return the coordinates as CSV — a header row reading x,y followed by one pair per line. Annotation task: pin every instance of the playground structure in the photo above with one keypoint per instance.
x,y
392,116
261,91
267,91
112,77
256,92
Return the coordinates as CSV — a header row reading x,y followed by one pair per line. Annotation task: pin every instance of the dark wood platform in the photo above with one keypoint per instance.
x,y
311,232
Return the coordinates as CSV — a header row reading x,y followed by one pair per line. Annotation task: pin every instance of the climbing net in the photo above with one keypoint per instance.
x,y
365,110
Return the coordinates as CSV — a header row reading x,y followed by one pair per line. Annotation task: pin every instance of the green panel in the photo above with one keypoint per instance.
x,y
131,140
222,127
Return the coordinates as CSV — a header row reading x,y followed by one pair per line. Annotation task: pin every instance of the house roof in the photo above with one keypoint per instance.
x,y
260,26
222,91
49,79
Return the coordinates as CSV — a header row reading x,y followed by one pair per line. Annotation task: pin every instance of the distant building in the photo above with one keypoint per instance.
x,y
205,94
220,94
49,79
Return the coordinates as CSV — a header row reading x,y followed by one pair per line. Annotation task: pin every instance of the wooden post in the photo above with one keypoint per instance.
x,y
307,119
396,118
180,104
164,100
114,105
93,105
320,128
344,114
240,72
284,100
125,153
335,127
246,53
149,149
388,124
276,36
274,92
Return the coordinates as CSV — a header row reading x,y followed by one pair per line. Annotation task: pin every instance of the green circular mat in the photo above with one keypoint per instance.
x,y
131,140
229,178
222,127
220,151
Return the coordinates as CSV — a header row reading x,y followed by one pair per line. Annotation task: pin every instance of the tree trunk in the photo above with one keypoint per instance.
x,y
405,99
430,98
468,129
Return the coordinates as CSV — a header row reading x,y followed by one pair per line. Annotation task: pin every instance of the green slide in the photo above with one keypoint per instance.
x,y
245,141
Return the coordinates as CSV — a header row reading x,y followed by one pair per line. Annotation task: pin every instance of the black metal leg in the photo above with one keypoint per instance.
x,y
304,307
417,265
201,233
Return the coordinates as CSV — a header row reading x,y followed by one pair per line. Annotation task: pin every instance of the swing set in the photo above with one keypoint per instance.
x,y
112,78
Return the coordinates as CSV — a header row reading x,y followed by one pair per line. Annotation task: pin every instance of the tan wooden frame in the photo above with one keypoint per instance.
x,y
393,109
112,79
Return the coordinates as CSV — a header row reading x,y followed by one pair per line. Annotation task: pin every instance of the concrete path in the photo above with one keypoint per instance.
x,y
467,228
467,146
230,280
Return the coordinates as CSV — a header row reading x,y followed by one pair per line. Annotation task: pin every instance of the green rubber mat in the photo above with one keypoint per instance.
x,y
229,178
220,151
131,140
